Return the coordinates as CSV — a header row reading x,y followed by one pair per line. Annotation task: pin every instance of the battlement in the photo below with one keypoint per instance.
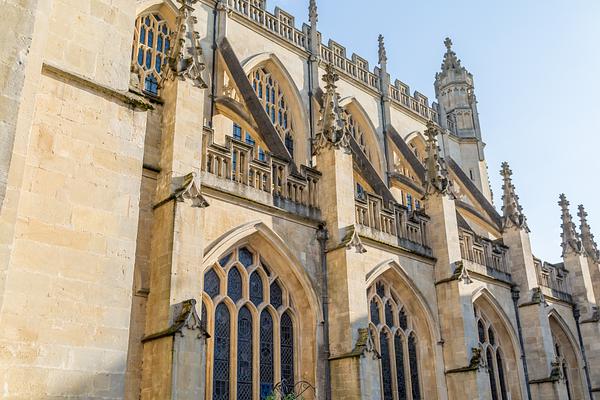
x,y
282,24
553,280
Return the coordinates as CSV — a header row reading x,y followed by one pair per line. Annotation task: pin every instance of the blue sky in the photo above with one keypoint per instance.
x,y
536,65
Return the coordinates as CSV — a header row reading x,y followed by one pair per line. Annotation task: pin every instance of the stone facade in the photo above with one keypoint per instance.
x,y
235,209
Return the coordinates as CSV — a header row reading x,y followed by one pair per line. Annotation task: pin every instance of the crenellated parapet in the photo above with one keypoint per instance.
x,y
553,280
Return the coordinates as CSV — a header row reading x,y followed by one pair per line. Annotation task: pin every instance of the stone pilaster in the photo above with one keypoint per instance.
x,y
174,356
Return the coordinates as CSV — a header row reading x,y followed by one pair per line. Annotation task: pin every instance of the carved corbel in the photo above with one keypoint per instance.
x,y
187,188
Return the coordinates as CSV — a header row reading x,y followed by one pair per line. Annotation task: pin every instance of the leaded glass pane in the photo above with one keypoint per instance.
x,y
492,374
221,353
244,356
503,392
491,337
400,375
389,314
375,312
212,283
267,372
287,351
256,288
481,331
246,257
380,289
276,295
414,368
225,260
403,319
386,368
265,267
234,284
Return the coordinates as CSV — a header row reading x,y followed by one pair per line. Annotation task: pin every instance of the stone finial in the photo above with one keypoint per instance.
x,y
511,209
570,238
313,15
451,61
436,173
382,52
333,123
587,238
185,59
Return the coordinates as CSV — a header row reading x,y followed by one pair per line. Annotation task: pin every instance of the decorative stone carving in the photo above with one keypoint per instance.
x,y
461,273
333,130
451,61
587,238
188,188
184,317
382,52
512,210
185,59
352,241
537,297
570,238
476,361
313,15
364,343
436,173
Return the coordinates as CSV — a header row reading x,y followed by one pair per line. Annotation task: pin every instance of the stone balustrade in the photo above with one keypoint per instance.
x,y
484,255
552,279
268,179
394,225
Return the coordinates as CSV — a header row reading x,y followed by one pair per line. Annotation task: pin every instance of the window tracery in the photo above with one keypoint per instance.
x,y
397,344
240,288
358,133
273,99
494,361
564,366
151,44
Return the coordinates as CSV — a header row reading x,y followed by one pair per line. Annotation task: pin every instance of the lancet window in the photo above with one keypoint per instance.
x,y
273,99
151,44
396,342
492,352
252,328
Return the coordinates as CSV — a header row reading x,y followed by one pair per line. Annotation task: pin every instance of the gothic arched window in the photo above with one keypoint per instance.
x,y
358,133
240,288
273,99
492,352
397,345
564,366
151,44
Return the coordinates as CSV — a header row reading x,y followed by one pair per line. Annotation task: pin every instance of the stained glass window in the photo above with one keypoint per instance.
x,y
221,354
491,337
237,132
400,376
256,288
490,366
246,257
253,379
276,295
151,44
234,284
289,144
389,314
272,97
244,356
375,312
266,355
399,364
481,331
386,368
414,368
287,351
212,283
500,365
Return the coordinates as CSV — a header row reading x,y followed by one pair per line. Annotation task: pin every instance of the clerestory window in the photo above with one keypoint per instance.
x,y
264,317
492,352
151,44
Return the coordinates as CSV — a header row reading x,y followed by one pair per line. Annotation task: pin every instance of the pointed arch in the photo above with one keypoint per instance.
x,y
425,352
505,338
272,63
373,144
418,145
571,353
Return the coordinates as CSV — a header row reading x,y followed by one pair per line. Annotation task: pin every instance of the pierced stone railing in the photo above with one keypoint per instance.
x,y
281,23
481,252
399,93
269,180
393,225
553,280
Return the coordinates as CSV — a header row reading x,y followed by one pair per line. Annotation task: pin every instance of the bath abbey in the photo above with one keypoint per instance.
x,y
203,199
